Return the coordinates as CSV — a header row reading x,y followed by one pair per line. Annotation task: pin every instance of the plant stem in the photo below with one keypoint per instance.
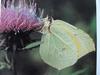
x,y
14,60
58,72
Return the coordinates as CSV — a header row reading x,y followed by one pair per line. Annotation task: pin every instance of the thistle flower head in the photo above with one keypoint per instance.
x,y
19,16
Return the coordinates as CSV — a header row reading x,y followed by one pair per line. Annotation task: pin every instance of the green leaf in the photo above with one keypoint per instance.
x,y
93,27
64,44
3,59
82,71
34,44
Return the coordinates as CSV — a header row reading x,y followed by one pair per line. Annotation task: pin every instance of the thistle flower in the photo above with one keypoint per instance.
x,y
19,17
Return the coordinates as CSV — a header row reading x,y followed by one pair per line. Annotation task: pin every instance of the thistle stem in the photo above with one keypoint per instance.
x,y
58,72
14,49
14,60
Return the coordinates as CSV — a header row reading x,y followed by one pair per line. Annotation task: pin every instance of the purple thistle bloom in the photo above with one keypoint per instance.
x,y
19,17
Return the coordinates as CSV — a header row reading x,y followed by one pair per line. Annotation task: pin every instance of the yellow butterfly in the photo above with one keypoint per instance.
x,y
64,45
